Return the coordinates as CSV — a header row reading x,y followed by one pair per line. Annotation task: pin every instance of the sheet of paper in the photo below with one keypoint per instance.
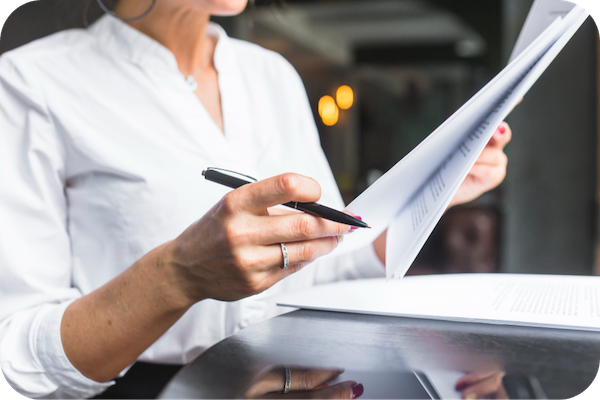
x,y
555,301
541,15
411,197
443,382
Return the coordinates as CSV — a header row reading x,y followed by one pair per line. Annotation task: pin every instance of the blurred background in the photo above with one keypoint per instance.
x,y
383,74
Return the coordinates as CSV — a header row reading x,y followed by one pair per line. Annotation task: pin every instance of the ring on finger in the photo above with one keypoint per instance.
x,y
288,380
286,256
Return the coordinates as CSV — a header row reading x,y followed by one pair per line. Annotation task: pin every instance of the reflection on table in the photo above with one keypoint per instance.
x,y
337,383
387,357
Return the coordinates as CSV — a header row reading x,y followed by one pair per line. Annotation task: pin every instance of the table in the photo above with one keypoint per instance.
x,y
564,362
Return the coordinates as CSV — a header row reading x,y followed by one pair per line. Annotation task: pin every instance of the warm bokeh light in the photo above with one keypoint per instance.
x,y
328,110
330,115
326,102
344,97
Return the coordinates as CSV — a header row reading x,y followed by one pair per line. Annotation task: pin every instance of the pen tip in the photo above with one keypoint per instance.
x,y
368,226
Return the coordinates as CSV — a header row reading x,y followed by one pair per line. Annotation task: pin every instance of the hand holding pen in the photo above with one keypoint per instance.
x,y
235,180
238,248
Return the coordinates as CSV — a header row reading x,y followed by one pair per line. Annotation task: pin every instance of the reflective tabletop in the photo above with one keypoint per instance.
x,y
392,357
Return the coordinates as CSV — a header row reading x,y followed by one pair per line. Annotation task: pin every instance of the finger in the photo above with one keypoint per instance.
x,y
302,380
255,198
486,176
287,211
322,385
282,211
488,387
263,269
501,137
266,266
270,382
343,390
470,379
299,255
296,227
492,157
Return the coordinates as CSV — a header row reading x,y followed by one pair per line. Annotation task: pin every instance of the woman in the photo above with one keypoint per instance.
x,y
105,137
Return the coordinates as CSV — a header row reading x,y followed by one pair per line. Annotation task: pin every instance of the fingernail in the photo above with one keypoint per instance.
x,y
357,390
352,229
340,239
502,129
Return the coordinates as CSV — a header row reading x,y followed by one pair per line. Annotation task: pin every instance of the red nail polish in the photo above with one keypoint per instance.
x,y
353,228
502,129
357,390
357,217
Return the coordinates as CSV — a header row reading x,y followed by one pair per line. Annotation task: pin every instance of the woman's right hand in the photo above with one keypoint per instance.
x,y
234,250
304,384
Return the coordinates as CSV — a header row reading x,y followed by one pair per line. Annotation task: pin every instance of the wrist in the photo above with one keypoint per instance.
x,y
177,293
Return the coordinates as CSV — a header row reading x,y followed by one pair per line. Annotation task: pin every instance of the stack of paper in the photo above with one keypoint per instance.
x,y
410,198
569,302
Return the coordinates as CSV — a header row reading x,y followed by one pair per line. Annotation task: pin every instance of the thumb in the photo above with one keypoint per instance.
x,y
259,196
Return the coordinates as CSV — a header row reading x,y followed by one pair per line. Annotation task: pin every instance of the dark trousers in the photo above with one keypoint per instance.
x,y
142,381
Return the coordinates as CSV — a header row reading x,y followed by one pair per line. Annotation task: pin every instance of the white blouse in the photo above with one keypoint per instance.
x,y
102,145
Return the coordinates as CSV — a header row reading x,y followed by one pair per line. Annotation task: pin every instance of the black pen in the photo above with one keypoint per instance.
x,y
234,180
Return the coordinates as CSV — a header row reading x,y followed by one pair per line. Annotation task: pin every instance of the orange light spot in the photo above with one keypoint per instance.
x,y
330,115
326,102
344,97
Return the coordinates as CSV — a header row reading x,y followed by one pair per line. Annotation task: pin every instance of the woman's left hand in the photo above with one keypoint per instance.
x,y
489,169
487,173
482,385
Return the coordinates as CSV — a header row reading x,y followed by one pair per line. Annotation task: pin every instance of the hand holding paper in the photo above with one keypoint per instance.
x,y
488,171
410,198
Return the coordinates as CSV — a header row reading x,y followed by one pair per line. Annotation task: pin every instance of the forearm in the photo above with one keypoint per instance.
x,y
105,331
232,252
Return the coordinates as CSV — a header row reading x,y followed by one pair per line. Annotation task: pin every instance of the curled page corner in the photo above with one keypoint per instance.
x,y
590,6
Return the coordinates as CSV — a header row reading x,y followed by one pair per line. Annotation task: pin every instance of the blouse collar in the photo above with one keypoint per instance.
x,y
147,52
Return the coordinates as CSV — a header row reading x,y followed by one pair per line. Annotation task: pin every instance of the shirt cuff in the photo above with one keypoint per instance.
x,y
361,263
367,262
55,363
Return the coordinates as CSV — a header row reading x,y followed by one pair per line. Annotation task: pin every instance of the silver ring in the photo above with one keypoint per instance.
x,y
286,256
288,379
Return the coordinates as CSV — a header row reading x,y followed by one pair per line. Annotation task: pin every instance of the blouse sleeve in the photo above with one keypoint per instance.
x,y
360,262
35,254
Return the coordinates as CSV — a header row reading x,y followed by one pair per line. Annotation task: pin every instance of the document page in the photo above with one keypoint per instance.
x,y
542,14
410,198
442,382
555,301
